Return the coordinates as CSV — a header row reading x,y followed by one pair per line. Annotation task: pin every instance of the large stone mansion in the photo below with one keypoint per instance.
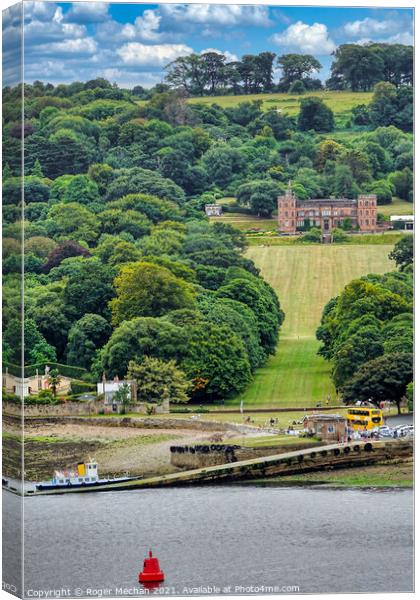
x,y
295,214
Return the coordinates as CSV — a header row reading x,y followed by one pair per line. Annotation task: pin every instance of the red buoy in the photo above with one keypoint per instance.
x,y
151,570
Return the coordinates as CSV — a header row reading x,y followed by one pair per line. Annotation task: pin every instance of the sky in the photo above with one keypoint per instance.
x,y
130,44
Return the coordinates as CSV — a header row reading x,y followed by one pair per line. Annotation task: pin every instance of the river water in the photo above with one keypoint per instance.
x,y
321,540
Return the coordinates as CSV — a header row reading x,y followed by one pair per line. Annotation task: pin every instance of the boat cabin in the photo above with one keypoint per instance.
x,y
86,473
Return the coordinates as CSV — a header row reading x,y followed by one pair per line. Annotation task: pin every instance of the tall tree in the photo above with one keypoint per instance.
x,y
315,114
403,252
360,67
297,67
383,379
213,65
146,289
159,381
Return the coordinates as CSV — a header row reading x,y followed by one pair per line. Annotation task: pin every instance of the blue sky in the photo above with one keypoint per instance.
x,y
131,43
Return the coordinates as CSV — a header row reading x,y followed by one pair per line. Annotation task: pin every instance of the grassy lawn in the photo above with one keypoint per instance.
x,y
388,238
397,207
248,222
305,278
244,222
295,376
340,102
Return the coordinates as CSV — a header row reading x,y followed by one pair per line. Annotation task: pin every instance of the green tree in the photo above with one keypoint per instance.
x,y
403,252
315,114
328,150
88,286
54,379
143,181
391,106
154,208
403,183
81,189
159,381
344,184
222,163
240,319
357,349
37,170
146,289
73,221
297,67
85,337
40,246
255,294
260,196
356,66
117,220
382,379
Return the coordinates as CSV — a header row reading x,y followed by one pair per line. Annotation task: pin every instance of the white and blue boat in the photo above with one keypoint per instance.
x,y
86,475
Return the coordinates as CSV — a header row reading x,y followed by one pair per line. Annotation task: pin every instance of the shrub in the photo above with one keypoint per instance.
x,y
339,236
81,387
14,398
313,235
43,397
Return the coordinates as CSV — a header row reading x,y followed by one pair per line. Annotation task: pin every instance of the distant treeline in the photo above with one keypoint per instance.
x,y
356,67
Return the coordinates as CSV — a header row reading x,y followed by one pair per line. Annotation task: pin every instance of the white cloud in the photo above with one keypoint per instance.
x,y
83,46
40,11
230,57
311,39
157,55
217,14
87,12
371,27
144,28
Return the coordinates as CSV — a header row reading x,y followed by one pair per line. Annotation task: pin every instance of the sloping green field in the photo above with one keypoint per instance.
x,y
305,278
340,102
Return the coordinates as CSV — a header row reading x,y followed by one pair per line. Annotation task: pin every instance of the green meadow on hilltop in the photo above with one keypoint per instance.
x,y
340,102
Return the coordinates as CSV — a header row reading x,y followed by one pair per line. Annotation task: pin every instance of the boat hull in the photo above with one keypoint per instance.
x,y
43,487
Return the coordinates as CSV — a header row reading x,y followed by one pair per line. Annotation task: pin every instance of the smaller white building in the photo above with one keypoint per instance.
x,y
109,388
213,210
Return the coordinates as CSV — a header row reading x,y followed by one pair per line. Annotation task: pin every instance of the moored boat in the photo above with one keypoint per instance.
x,y
86,475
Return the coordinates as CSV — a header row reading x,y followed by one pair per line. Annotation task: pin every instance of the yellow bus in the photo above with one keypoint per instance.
x,y
363,419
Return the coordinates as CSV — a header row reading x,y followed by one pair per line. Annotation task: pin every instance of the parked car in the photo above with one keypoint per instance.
x,y
405,430
385,431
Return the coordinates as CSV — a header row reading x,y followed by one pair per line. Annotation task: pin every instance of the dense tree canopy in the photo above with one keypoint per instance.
x,y
367,329
121,262
149,290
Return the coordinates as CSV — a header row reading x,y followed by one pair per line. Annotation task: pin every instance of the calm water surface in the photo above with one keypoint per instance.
x,y
322,540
